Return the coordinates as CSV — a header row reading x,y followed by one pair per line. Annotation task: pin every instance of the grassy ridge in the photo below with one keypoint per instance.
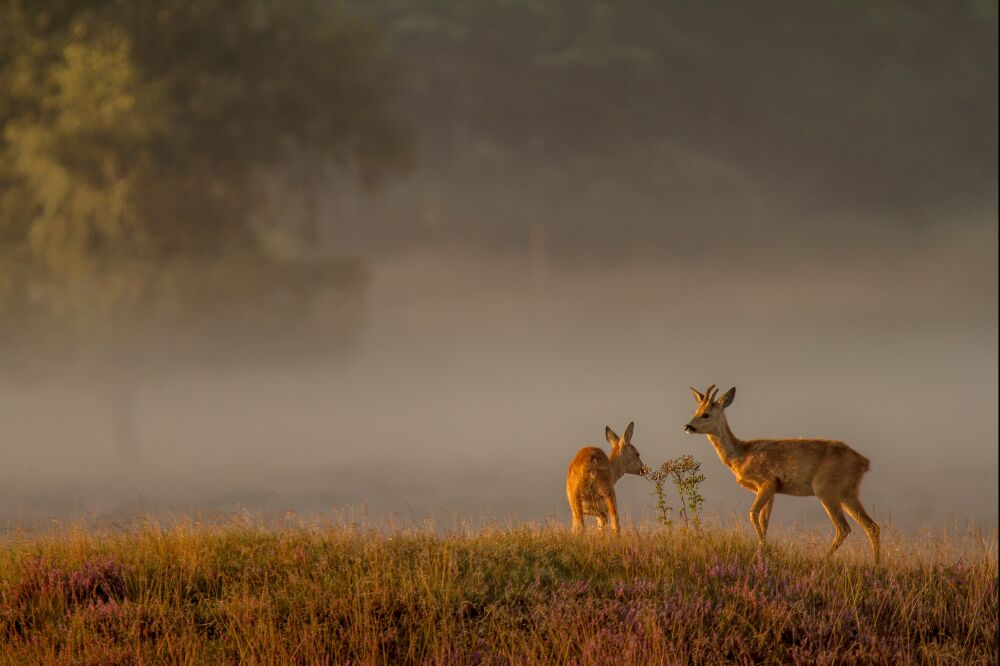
x,y
197,593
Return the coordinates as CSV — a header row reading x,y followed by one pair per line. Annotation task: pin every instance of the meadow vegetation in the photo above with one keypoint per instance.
x,y
684,473
300,592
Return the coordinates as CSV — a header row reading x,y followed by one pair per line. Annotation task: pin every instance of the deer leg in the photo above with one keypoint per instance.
x,y
765,516
602,520
765,493
612,506
839,523
856,510
576,507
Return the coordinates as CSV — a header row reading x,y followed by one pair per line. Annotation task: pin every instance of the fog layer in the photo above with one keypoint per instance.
x,y
475,379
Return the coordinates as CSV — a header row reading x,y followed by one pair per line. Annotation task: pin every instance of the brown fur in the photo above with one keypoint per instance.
x,y
829,470
590,482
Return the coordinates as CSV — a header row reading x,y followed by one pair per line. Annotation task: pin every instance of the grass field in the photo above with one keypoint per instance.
x,y
298,593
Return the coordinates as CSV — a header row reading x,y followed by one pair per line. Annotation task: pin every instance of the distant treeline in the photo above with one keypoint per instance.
x,y
150,146
696,110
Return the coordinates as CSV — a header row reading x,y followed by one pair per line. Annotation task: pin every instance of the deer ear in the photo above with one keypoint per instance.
x,y
613,439
727,399
627,437
698,397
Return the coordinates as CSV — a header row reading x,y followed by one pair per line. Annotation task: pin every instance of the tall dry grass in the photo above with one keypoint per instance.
x,y
295,592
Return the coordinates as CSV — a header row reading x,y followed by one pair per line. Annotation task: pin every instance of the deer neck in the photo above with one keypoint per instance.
x,y
729,448
617,466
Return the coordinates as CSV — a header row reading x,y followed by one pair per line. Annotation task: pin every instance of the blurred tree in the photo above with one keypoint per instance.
x,y
651,110
139,139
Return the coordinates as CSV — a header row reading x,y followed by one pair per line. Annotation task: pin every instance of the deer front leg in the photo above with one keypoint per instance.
x,y
765,494
765,516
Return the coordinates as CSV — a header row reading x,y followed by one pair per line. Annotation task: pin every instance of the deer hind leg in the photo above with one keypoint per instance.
x,y
839,521
765,495
612,508
576,507
857,511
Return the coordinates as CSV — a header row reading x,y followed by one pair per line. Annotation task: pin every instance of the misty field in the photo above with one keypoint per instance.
x,y
299,593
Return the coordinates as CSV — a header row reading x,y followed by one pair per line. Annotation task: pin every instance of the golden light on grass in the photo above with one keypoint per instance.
x,y
298,591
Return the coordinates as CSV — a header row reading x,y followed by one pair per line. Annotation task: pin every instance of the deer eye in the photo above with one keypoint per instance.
x,y
704,416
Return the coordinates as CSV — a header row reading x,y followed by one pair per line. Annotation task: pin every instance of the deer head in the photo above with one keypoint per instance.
x,y
624,456
708,415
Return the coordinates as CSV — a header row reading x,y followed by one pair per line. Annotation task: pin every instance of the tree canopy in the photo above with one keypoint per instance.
x,y
139,139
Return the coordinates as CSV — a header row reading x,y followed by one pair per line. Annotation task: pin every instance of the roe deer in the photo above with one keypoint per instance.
x,y
590,483
829,470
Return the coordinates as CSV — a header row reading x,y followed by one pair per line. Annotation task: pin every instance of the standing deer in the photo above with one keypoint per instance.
x,y
590,483
828,469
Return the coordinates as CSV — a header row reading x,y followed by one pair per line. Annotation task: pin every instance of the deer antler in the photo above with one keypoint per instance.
x,y
708,393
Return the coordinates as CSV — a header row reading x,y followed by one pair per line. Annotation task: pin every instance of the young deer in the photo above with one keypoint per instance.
x,y
590,483
829,470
